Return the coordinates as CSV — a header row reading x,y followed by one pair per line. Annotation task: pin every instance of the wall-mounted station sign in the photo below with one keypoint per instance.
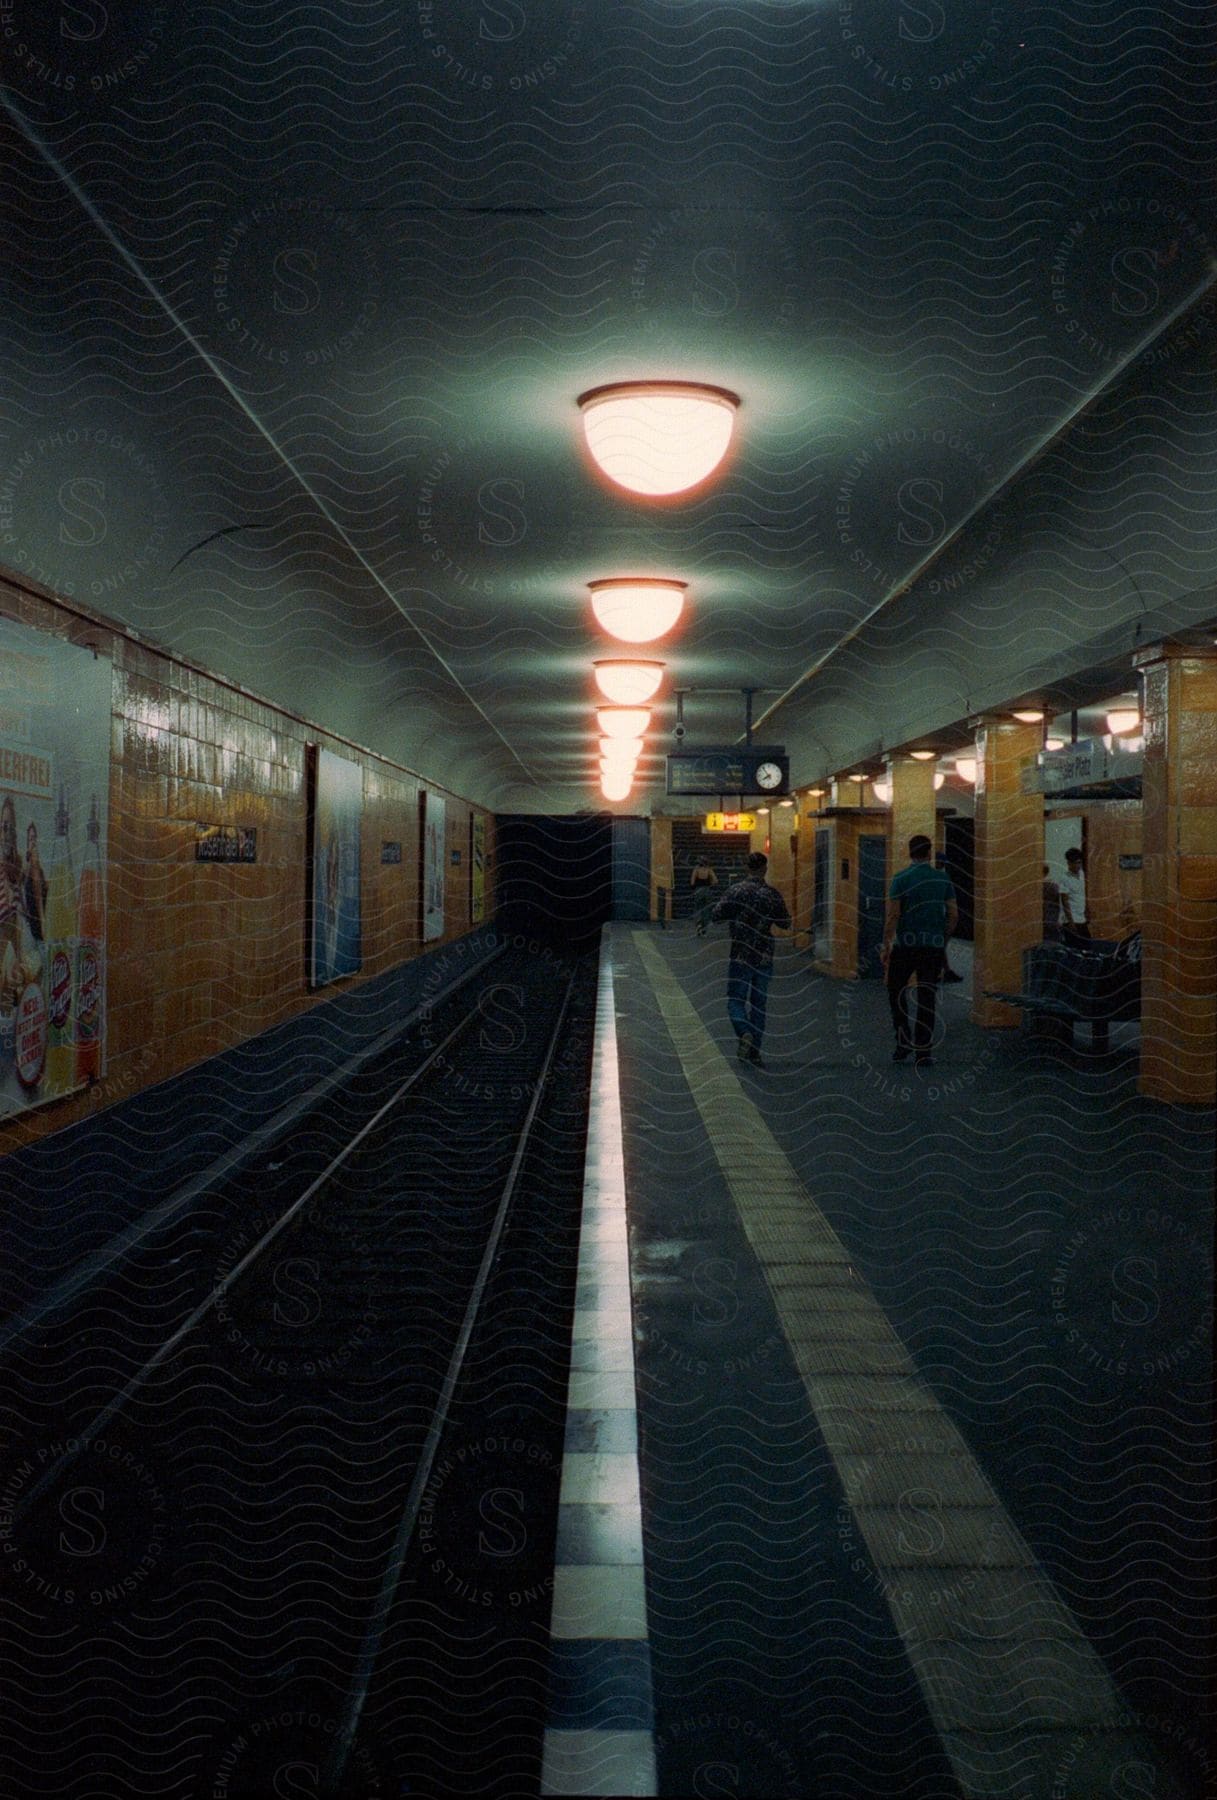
x,y
731,769
1094,766
730,822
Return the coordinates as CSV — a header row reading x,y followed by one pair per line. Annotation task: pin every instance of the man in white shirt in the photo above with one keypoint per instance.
x,y
1074,929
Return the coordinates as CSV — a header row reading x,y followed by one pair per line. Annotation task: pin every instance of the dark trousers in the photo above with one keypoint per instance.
x,y
1075,937
903,963
747,998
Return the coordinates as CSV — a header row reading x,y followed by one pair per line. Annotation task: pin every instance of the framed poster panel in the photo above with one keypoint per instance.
x,y
55,703
335,933
477,870
434,833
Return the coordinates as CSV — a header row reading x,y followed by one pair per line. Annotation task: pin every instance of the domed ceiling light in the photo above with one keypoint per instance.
x,y
965,768
1054,743
939,780
636,609
612,766
1122,719
1028,716
623,721
882,790
628,683
617,785
620,750
658,438
923,755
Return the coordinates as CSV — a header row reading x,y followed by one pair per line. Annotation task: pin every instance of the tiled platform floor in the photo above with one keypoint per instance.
x,y
922,1372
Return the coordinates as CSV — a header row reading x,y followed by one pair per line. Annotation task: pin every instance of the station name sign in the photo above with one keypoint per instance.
x,y
730,769
1090,763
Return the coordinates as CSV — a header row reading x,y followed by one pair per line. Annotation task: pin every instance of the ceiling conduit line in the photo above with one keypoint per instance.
x,y
1200,292
234,393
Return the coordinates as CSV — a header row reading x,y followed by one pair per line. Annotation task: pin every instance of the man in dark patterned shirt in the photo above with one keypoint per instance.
x,y
752,908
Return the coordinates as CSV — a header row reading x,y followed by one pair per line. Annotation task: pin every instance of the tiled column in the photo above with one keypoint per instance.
x,y
843,872
781,863
1009,860
1179,929
912,809
661,861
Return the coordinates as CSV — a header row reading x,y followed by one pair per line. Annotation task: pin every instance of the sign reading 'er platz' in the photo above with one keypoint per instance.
x,y
729,769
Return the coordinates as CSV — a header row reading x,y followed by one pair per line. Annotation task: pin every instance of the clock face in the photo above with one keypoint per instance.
x,y
768,775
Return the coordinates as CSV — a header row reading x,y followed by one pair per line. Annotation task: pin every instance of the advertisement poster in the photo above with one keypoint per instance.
x,y
336,949
433,867
478,871
54,807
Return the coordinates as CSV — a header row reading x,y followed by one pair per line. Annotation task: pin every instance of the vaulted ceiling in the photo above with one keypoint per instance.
x,y
298,300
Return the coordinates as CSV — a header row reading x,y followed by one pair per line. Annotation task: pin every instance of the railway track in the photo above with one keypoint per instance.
x,y
279,1484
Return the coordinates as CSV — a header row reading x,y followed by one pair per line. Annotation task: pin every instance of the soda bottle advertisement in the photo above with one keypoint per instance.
x,y
55,704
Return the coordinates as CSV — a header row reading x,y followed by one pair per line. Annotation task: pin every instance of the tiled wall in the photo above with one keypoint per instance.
x,y
202,956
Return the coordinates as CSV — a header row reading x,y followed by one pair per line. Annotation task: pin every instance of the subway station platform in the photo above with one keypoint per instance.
x,y
918,1376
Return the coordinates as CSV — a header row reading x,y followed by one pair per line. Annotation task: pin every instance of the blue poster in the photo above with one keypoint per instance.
x,y
337,810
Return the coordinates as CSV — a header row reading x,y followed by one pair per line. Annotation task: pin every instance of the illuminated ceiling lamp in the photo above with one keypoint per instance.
x,y
1029,716
923,755
1124,718
939,780
882,790
636,609
620,750
658,438
623,721
965,768
1054,743
616,785
628,683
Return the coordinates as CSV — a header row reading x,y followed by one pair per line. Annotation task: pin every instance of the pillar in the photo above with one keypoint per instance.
x,y
1008,869
810,821
1179,876
912,809
781,862
661,862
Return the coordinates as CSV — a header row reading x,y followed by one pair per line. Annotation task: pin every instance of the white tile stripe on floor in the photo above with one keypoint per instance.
x,y
1014,1688
599,1619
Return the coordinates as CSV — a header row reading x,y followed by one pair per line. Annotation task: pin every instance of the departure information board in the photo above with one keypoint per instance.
x,y
757,769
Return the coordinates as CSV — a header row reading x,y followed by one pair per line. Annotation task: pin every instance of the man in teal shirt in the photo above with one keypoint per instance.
x,y
921,915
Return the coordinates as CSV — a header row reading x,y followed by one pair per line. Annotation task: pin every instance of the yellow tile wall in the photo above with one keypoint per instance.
x,y
204,955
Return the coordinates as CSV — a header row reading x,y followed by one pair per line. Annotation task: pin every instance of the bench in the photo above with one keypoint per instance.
x,y
1100,984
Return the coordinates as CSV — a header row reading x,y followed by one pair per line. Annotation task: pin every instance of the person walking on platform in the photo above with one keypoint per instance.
x,y
752,908
1075,932
703,881
921,915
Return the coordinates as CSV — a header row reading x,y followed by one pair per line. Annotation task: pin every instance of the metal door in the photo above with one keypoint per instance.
x,y
631,868
872,897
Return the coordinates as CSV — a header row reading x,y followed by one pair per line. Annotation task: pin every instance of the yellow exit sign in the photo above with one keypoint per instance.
x,y
730,822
